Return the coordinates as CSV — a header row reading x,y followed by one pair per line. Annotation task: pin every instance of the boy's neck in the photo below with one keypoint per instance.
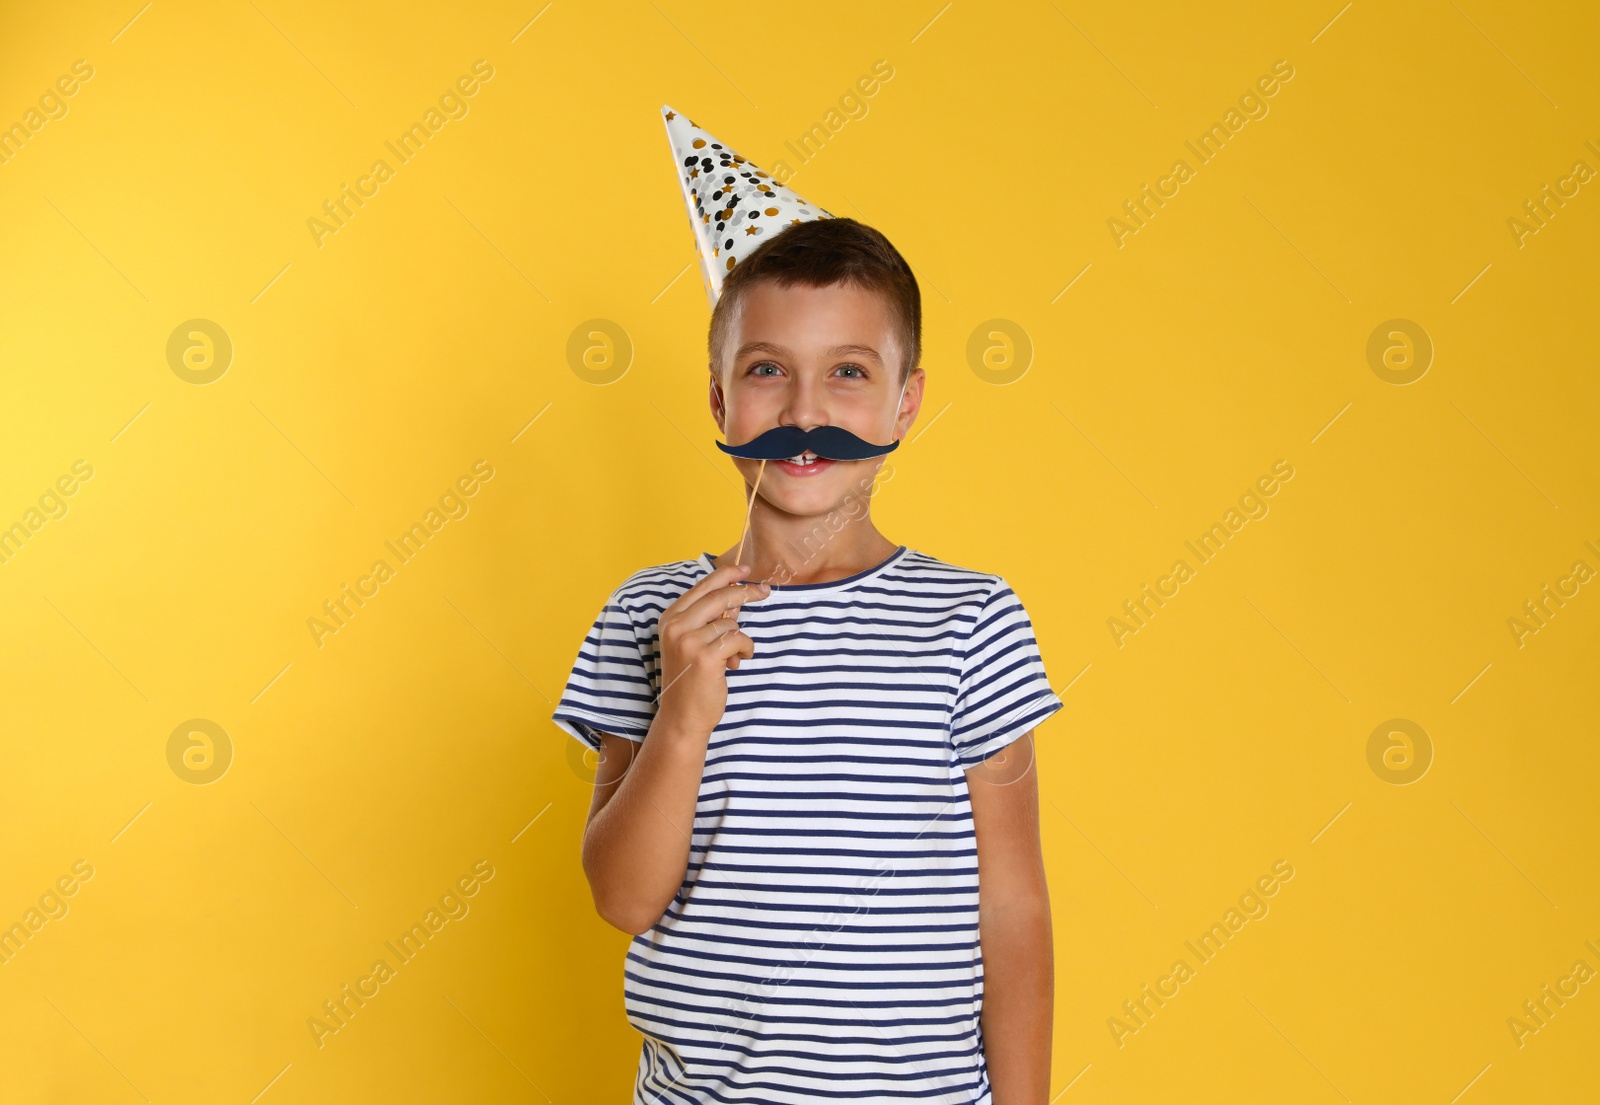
x,y
810,553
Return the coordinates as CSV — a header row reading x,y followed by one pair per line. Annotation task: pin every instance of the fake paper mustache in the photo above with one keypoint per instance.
x,y
830,442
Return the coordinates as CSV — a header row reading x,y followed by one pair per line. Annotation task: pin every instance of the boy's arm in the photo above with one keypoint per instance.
x,y
636,842
635,864
1014,925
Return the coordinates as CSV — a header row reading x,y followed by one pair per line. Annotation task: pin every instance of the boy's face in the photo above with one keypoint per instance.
x,y
807,357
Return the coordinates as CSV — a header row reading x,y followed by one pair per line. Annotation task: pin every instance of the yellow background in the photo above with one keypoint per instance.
x,y
1230,332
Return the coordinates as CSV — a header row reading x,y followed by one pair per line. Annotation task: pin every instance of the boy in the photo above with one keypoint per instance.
x,y
801,782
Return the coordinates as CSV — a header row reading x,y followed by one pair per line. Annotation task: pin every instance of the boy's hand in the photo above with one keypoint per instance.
x,y
700,643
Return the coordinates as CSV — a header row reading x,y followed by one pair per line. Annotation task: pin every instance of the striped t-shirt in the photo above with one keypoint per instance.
x,y
824,943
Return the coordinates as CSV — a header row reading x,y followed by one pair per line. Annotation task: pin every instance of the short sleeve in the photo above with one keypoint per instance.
x,y
1002,691
610,689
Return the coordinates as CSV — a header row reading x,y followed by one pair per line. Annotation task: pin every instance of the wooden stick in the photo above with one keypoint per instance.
x,y
738,556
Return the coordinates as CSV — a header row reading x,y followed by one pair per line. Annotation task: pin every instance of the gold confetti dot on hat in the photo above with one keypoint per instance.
x,y
733,206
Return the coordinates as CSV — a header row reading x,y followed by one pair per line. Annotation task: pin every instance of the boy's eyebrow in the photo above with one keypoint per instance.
x,y
779,351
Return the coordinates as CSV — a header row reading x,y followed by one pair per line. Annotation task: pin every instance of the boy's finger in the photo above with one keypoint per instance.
x,y
734,644
717,577
723,640
712,636
721,603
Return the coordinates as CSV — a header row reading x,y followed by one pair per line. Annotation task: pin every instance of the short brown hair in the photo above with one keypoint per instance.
x,y
819,253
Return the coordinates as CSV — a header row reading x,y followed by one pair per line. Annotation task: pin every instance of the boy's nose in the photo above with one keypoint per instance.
x,y
806,406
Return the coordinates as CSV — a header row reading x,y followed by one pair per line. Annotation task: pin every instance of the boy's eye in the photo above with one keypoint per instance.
x,y
755,369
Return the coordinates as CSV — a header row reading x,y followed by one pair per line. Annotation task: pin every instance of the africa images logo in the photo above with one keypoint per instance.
x,y
338,1011
453,506
452,104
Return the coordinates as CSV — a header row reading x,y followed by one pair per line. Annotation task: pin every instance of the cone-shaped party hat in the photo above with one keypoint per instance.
x,y
733,206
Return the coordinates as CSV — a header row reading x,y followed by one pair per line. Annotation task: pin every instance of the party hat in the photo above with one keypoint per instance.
x,y
733,206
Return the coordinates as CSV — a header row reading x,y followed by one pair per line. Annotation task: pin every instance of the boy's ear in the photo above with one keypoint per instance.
x,y
718,408
913,391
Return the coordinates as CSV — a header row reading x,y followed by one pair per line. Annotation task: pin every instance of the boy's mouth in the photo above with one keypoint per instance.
x,y
806,464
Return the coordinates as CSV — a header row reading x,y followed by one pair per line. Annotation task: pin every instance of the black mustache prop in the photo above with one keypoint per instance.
x,y
830,442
